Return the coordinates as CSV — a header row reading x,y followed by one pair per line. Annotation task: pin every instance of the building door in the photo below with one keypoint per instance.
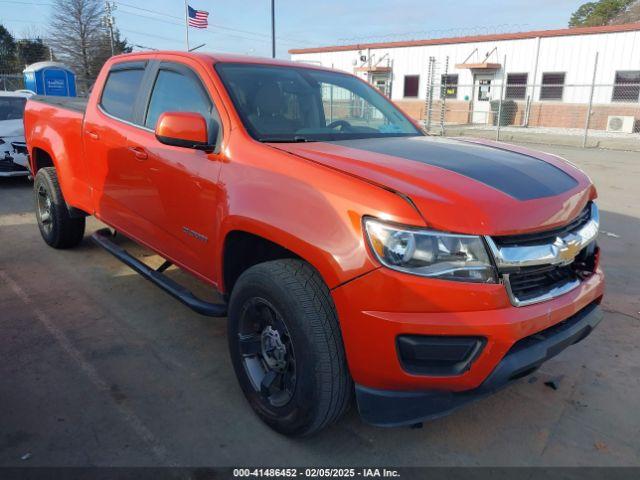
x,y
482,84
382,83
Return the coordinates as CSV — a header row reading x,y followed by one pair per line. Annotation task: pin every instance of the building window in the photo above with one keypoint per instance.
x,y
516,86
552,86
449,85
411,85
627,86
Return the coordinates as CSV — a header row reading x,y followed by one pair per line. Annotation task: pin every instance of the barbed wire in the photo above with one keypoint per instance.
x,y
438,33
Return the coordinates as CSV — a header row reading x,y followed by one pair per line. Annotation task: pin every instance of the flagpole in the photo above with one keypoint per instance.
x,y
273,29
186,23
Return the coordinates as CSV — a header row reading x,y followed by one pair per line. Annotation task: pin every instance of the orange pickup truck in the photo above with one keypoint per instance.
x,y
356,256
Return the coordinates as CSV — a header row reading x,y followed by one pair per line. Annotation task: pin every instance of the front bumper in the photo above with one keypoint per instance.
x,y
377,308
392,408
13,162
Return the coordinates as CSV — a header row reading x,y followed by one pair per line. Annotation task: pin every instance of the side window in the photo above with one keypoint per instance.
x,y
175,92
120,92
516,86
627,86
552,86
449,86
411,86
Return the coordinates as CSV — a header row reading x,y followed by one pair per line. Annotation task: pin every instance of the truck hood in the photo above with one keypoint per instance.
x,y
470,186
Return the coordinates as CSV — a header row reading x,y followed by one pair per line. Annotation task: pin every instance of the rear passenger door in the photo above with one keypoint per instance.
x,y
183,203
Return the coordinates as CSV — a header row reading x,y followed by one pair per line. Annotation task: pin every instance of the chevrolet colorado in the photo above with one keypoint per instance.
x,y
355,255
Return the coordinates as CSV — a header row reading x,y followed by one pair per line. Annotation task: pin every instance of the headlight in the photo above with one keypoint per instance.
x,y
433,254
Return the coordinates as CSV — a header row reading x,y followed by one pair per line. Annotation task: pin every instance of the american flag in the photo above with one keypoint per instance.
x,y
198,18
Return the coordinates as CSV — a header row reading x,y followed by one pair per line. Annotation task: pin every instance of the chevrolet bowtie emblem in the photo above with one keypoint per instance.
x,y
568,249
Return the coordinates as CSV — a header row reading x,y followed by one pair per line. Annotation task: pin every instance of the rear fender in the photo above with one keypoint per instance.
x,y
61,139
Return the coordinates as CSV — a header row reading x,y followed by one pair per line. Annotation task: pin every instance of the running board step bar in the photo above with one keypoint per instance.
x,y
104,238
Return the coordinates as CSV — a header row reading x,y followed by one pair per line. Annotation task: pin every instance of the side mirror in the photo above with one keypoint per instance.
x,y
184,129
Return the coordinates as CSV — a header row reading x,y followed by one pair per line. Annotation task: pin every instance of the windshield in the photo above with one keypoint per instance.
x,y
12,108
291,104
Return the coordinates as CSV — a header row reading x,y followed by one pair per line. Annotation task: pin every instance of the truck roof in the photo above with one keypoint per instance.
x,y
223,58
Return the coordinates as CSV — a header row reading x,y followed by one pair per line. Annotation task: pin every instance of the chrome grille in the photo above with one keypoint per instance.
x,y
536,283
544,265
547,236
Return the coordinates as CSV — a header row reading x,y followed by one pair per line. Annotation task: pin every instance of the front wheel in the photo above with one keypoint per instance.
x,y
57,227
286,347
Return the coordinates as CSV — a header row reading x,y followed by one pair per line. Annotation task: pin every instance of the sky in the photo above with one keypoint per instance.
x,y
245,27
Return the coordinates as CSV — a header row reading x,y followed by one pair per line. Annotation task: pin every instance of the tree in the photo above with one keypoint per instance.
x,y
602,12
32,50
120,45
7,51
631,15
77,34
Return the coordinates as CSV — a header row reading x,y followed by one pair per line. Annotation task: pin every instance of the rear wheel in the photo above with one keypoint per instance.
x,y
57,227
286,347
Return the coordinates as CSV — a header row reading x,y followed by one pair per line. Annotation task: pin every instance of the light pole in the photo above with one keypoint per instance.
x,y
109,7
273,28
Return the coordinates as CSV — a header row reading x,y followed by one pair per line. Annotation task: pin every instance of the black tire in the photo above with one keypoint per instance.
x,y
57,227
303,307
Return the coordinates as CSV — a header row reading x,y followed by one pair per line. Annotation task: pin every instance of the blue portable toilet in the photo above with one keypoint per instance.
x,y
50,78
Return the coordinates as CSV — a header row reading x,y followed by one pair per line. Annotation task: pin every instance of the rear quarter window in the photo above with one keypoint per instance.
x,y
120,92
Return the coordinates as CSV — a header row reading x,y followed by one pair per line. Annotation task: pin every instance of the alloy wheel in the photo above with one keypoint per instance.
x,y
267,352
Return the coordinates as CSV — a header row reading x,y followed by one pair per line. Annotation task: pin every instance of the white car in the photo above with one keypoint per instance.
x,y
14,161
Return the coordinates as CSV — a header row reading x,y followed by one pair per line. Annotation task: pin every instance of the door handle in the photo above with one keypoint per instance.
x,y
139,153
93,134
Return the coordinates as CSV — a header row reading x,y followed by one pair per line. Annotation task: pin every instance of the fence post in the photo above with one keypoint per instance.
x,y
429,97
331,100
593,86
443,96
504,80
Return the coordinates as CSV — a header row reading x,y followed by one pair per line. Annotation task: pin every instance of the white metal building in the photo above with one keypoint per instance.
x,y
548,73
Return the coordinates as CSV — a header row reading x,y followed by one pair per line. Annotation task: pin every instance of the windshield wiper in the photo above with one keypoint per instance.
x,y
295,139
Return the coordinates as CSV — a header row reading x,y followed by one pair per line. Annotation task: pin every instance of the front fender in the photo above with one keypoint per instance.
x,y
312,210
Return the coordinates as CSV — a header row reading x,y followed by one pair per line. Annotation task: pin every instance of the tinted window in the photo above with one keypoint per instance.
x,y
411,85
175,92
516,86
289,104
552,86
449,85
12,108
120,92
627,87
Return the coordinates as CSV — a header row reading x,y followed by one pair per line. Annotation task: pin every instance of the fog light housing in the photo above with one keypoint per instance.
x,y
438,355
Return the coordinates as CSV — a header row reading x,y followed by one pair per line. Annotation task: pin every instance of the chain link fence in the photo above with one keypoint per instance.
x,y
11,81
507,107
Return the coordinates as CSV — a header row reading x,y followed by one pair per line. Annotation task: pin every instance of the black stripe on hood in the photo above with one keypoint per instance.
x,y
521,176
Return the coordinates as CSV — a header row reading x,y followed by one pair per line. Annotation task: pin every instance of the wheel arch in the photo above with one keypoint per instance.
x,y
41,158
245,247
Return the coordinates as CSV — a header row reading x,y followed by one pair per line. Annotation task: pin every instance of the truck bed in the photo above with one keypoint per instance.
x,y
77,104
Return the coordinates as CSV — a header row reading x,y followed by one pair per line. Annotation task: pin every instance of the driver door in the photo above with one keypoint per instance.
x,y
184,189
